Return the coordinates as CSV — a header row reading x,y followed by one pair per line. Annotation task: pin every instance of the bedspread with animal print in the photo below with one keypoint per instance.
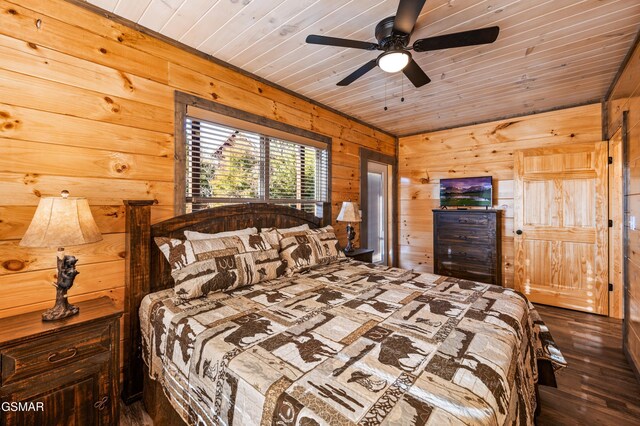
x,y
349,343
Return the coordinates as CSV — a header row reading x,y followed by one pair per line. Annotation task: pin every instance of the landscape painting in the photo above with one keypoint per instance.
x,y
466,192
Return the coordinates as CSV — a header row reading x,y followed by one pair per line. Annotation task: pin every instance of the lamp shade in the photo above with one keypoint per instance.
x,y
60,222
349,212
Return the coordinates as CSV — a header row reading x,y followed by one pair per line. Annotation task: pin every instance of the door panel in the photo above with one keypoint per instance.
x,y
576,193
560,213
542,210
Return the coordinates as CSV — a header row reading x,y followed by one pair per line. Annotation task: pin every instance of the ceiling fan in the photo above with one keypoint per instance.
x,y
393,34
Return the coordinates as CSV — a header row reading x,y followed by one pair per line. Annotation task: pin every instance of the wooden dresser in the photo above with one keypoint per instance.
x,y
467,244
68,369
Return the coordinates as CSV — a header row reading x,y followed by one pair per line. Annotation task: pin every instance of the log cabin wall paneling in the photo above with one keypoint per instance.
x,y
477,150
624,100
87,104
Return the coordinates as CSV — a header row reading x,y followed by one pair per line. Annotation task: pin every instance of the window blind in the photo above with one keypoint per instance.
x,y
230,165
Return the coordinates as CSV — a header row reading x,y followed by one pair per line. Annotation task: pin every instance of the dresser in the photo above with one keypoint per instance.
x,y
467,244
62,372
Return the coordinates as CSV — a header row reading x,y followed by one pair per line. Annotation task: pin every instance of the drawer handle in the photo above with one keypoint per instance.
x,y
54,357
102,404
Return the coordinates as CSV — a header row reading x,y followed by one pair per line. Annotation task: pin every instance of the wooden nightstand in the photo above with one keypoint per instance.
x,y
361,254
68,369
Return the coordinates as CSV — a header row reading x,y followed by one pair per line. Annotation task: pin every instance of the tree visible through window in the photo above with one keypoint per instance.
x,y
227,165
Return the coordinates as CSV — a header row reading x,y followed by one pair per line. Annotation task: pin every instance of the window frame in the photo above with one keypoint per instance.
x,y
228,116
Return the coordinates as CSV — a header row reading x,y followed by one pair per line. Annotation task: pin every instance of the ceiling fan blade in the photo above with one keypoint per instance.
x,y
407,15
415,74
465,38
358,73
340,42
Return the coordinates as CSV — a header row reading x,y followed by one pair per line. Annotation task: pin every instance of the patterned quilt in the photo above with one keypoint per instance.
x,y
349,343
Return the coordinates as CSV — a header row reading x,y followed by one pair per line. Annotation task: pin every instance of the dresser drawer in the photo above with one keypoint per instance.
x,y
470,234
482,220
45,353
461,253
467,271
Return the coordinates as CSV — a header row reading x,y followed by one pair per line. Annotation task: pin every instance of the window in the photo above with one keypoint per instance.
x,y
227,164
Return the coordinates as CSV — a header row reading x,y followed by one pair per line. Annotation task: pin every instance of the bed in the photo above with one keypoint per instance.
x,y
343,343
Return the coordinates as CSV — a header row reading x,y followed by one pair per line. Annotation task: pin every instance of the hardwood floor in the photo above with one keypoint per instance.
x,y
597,388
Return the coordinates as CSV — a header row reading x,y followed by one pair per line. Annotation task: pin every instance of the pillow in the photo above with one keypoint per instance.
x,y
322,230
193,235
274,235
243,243
313,247
293,229
203,266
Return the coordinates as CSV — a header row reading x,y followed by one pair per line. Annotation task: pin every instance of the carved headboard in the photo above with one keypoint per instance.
x,y
147,271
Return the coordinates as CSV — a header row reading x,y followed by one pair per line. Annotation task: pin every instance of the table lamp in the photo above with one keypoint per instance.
x,y
61,222
349,213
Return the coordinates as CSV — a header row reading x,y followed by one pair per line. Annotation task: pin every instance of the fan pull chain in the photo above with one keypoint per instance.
x,y
402,85
385,95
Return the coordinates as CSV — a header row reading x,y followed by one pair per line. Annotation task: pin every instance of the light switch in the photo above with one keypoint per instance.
x,y
632,223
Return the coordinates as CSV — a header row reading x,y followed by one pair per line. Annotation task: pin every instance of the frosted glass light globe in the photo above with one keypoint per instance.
x,y
394,61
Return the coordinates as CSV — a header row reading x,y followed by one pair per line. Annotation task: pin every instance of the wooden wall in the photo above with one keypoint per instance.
x,y
625,96
478,150
87,104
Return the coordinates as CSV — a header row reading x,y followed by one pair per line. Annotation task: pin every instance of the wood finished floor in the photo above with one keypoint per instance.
x,y
597,388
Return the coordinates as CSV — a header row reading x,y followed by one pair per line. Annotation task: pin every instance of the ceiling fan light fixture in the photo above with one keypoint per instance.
x,y
394,60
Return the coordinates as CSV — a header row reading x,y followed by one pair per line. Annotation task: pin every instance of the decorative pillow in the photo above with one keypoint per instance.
x,y
203,266
193,235
293,229
322,230
243,243
312,247
275,235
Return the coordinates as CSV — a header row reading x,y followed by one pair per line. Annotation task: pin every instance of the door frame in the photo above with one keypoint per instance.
x,y
367,155
625,233
383,171
617,219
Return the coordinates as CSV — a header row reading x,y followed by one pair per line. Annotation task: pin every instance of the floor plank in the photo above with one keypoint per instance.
x,y
597,388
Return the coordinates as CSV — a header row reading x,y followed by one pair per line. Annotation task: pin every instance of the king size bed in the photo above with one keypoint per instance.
x,y
339,342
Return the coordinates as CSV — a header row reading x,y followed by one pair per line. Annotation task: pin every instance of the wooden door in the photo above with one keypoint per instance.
x,y
616,214
560,217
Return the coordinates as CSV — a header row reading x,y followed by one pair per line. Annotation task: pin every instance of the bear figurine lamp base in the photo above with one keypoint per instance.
x,y
349,213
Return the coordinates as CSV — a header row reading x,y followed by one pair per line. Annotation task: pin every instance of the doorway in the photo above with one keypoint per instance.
x,y
378,204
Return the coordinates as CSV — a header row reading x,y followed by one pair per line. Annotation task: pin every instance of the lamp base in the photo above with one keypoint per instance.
x,y
66,274
60,310
351,234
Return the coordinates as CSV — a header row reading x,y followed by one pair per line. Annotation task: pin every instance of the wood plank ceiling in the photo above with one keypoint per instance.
x,y
550,53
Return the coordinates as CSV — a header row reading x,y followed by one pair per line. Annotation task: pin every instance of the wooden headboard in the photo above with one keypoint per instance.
x,y
147,271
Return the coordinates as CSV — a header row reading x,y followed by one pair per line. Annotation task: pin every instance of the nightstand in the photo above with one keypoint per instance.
x,y
67,371
361,254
